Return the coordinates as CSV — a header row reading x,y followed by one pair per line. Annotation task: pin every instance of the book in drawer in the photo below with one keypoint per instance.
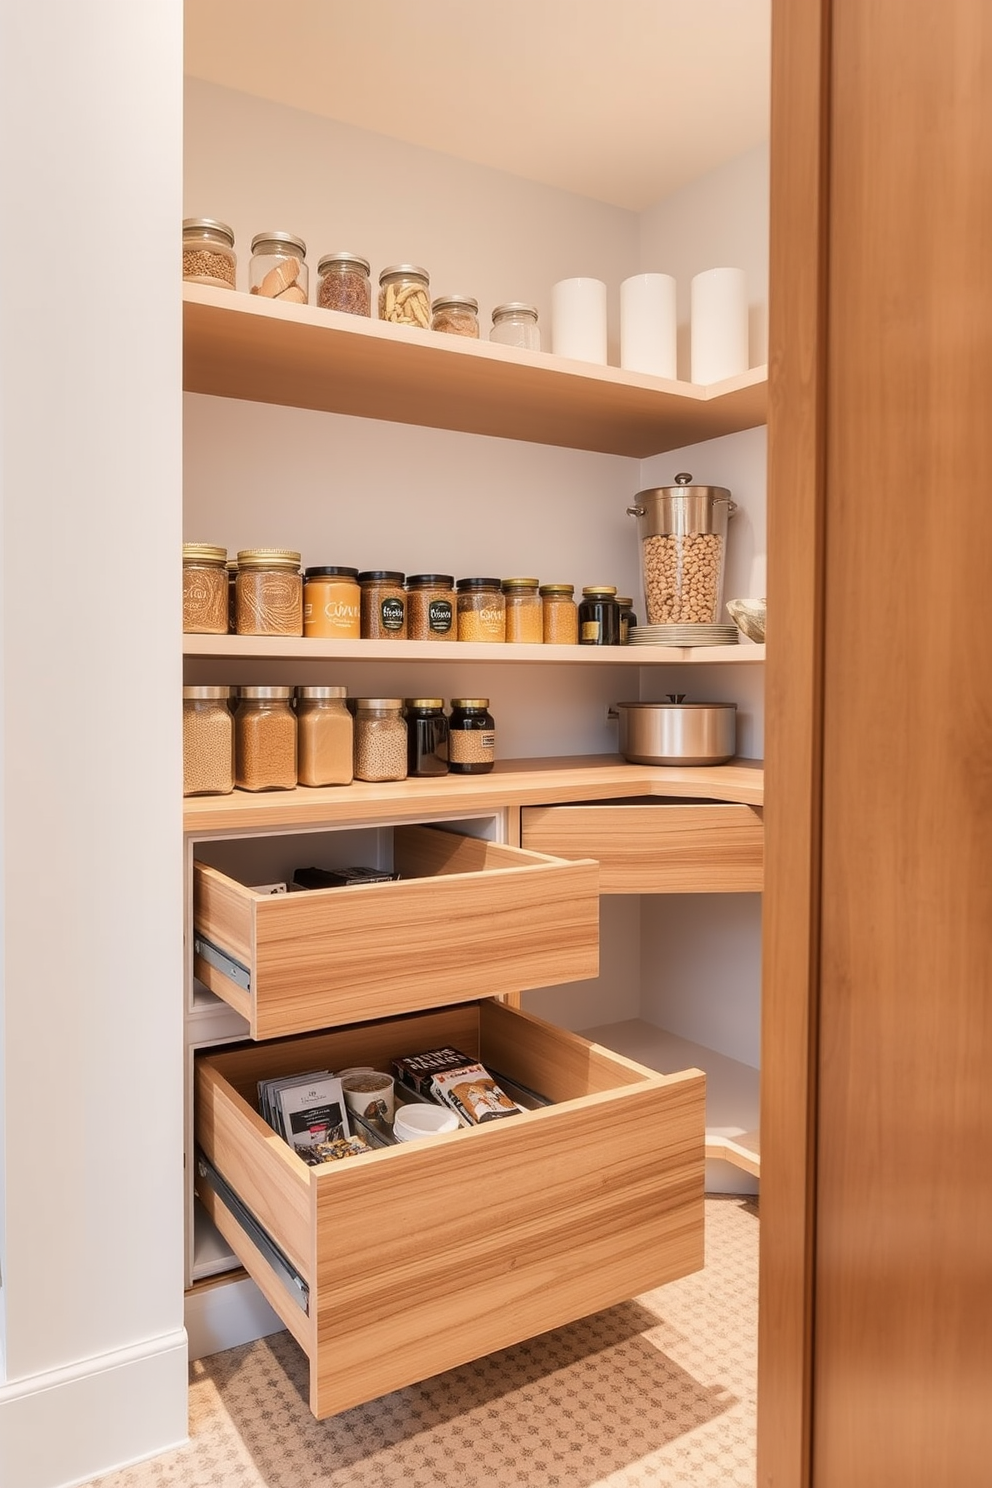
x,y
656,844
412,1259
467,918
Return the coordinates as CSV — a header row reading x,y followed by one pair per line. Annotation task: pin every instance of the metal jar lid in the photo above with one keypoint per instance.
x,y
407,271
204,693
322,692
599,591
470,703
682,508
510,585
209,224
268,558
430,581
343,261
553,591
383,703
513,307
280,240
265,692
203,553
456,302
424,702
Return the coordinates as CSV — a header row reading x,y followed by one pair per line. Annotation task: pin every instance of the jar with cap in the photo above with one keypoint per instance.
x,y
383,605
628,618
430,607
208,742
268,592
524,615
405,296
515,324
456,314
380,739
683,533
204,589
560,615
599,616
208,252
332,603
343,284
481,610
427,737
265,739
471,737
278,268
325,736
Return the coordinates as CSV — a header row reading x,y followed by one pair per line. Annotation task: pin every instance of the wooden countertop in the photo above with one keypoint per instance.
x,y
513,783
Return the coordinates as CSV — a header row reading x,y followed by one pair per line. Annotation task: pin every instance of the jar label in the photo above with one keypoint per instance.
x,y
590,630
391,611
469,747
439,616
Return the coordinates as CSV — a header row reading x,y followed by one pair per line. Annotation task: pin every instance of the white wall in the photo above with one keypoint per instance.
x,y
94,1357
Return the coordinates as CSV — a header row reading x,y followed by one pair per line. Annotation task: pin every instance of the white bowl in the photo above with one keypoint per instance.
x,y
417,1119
749,617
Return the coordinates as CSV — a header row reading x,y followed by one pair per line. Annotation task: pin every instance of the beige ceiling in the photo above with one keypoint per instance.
x,y
621,100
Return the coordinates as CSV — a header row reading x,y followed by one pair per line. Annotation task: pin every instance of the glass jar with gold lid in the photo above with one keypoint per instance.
x,y
208,252
524,617
268,592
204,589
561,614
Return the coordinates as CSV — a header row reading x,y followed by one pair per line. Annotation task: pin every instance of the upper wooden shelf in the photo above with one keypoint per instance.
x,y
242,346
295,648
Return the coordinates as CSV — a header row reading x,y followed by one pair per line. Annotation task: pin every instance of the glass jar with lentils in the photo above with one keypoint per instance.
x,y
268,592
265,739
343,284
430,607
380,739
204,589
471,737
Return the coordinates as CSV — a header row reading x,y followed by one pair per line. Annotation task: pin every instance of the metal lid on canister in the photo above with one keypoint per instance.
x,y
203,553
280,240
265,692
470,702
682,508
514,584
407,270
477,583
380,576
204,693
423,702
268,558
322,692
209,224
456,302
345,260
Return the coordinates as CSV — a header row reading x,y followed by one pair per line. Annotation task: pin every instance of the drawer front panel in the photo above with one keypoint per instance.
x,y
469,918
429,1254
656,847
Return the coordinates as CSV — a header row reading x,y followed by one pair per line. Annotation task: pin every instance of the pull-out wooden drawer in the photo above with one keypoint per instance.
x,y
466,918
656,844
417,1257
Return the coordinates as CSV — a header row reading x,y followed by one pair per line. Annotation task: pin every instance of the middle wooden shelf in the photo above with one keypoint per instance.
x,y
298,648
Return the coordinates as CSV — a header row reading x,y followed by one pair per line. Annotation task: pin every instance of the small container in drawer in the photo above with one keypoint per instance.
x,y
656,844
468,917
412,1259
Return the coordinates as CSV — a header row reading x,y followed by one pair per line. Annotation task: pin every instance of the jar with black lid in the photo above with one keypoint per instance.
x,y
599,616
481,610
383,605
332,603
430,607
427,736
471,737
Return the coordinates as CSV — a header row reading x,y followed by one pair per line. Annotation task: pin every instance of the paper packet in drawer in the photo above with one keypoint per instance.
x,y
473,1094
415,1071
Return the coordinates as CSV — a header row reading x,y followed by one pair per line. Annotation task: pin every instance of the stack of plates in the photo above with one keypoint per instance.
x,y
683,635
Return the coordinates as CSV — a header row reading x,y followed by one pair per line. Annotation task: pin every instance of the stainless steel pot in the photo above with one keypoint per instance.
x,y
677,733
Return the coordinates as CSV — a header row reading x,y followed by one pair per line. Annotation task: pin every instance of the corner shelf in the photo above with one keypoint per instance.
x,y
295,648
242,346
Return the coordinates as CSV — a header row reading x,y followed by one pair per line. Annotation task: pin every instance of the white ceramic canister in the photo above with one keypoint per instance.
x,y
578,320
718,332
648,325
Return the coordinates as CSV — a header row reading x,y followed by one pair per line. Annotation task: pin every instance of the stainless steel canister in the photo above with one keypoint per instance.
x,y
683,532
677,732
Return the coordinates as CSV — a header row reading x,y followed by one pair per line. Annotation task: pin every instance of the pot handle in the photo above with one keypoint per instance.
x,y
637,511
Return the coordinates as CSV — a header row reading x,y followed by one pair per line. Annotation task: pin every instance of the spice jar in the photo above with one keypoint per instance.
x,y
405,296
427,736
325,736
265,739
456,314
208,252
471,737
561,615
627,619
383,605
430,607
515,324
204,589
332,603
380,739
208,742
481,610
278,267
343,284
268,594
524,617
599,616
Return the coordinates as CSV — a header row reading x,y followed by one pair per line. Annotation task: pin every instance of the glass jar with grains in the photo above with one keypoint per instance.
x,y
524,617
343,284
599,616
515,324
268,592
208,742
561,615
628,619
204,589
265,739
332,603
325,736
481,610
383,605
430,607
208,252
380,739
427,737
471,737
458,315
278,268
405,296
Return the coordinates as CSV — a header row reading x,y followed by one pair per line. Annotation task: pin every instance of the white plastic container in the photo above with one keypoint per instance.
x,y
418,1119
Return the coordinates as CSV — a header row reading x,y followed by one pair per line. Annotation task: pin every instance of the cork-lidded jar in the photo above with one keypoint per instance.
x,y
268,595
204,589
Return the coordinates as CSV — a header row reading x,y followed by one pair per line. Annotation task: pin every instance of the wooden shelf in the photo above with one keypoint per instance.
x,y
296,648
242,346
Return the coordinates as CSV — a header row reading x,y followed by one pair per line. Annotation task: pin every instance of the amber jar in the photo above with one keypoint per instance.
x,y
471,737
481,610
380,739
383,605
524,615
204,589
208,252
427,737
405,296
325,736
208,742
561,615
458,315
278,269
268,594
265,739
343,284
599,616
332,603
430,607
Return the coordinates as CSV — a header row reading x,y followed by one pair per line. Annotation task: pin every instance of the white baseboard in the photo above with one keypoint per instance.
x,y
69,1425
227,1312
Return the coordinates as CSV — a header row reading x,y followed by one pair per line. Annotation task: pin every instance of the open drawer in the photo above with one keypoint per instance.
x,y
414,1258
467,918
656,844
